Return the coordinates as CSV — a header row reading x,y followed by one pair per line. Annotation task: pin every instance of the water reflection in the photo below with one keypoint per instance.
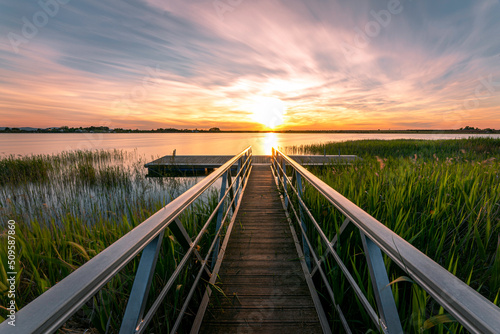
x,y
90,188
161,144
270,141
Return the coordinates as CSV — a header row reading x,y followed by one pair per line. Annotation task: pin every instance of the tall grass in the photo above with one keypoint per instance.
x,y
471,148
71,206
441,196
90,185
39,168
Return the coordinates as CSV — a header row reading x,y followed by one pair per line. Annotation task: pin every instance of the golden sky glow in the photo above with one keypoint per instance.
x,y
268,111
254,65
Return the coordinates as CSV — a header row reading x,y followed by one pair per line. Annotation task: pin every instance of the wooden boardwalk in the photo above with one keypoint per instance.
x,y
265,290
202,162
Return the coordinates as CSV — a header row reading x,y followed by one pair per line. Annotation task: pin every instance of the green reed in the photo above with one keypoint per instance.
x,y
441,196
71,206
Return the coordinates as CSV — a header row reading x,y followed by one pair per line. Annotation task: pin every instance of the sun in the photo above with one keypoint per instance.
x,y
268,111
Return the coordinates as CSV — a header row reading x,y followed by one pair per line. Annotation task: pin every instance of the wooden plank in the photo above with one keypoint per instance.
x,y
261,314
264,288
247,301
264,328
215,161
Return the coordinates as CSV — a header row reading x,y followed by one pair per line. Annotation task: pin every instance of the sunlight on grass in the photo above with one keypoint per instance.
x,y
441,196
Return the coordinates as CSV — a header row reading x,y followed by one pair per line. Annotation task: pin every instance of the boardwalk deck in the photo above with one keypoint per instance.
x,y
261,275
202,162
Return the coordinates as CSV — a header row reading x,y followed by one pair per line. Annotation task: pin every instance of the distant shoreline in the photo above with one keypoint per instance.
x,y
284,132
414,131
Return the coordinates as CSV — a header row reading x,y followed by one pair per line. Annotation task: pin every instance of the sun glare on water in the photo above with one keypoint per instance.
x,y
268,111
268,142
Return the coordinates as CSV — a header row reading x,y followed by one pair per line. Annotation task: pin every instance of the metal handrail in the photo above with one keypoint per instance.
x,y
476,313
53,308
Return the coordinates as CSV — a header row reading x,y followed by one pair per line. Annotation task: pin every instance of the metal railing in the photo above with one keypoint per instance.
x,y
53,308
468,307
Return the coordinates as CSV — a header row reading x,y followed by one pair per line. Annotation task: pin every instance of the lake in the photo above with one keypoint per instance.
x,y
160,144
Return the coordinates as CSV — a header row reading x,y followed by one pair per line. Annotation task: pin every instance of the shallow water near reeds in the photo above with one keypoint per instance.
x,y
90,185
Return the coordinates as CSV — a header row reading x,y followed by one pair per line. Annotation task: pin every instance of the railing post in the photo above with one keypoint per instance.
x,y
380,282
237,195
273,158
138,296
307,253
247,157
231,190
285,183
219,218
250,161
245,167
276,164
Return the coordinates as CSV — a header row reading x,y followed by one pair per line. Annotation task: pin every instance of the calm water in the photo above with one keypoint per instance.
x,y
160,144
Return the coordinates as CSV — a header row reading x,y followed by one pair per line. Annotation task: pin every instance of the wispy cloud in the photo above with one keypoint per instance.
x,y
420,68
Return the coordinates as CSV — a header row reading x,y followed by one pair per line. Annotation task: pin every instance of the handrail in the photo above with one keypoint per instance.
x,y
53,308
476,313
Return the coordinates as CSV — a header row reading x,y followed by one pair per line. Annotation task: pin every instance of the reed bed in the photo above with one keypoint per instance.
x,y
441,196
71,206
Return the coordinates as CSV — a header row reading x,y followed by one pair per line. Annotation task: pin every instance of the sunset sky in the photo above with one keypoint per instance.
x,y
250,64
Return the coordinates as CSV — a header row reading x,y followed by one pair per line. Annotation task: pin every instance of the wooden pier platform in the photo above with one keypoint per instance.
x,y
197,163
265,290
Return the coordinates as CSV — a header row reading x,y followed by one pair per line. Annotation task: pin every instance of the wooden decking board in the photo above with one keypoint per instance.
x,y
270,280
306,328
265,290
230,290
258,246
215,161
288,314
297,300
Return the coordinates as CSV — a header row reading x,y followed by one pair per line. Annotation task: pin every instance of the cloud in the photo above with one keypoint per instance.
x,y
92,61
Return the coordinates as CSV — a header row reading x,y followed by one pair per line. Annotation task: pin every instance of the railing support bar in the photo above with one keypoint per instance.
x,y
362,298
185,241
317,302
285,184
181,265
238,177
307,253
203,263
323,276
245,169
208,291
334,241
52,309
380,282
231,190
138,296
276,165
219,217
